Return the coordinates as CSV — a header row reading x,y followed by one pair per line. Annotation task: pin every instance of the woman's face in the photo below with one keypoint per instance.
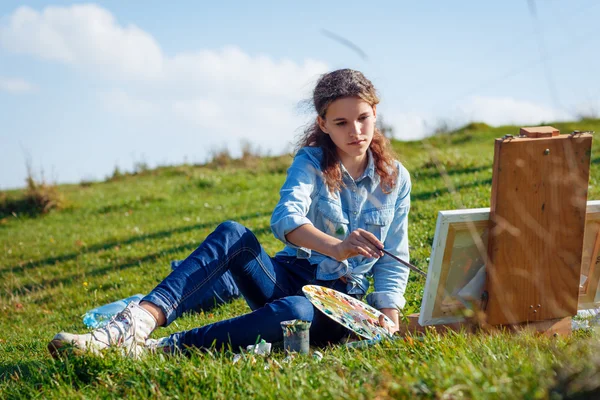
x,y
350,123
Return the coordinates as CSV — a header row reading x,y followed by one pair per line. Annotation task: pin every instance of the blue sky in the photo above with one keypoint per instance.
x,y
85,87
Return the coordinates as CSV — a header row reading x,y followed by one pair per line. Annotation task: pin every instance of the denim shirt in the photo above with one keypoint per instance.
x,y
306,199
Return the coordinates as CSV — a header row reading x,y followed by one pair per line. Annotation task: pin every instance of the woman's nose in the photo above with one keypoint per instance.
x,y
356,127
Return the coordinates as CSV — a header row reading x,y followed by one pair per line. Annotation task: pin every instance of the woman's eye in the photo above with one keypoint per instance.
x,y
363,117
342,123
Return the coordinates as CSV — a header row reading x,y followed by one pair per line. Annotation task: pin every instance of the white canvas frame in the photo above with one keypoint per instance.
x,y
469,218
589,289
471,224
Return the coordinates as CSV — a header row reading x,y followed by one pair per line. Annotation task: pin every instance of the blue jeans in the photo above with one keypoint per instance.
x,y
272,287
223,291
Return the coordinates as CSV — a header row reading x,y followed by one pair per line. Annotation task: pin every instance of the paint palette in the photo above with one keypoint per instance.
x,y
353,314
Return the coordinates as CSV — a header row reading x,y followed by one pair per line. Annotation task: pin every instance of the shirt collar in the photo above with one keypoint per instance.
x,y
369,171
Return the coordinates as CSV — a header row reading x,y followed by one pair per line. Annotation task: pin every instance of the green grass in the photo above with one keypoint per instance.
x,y
116,238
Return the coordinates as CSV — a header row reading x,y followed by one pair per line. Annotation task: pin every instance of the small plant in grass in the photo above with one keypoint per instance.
x,y
38,197
116,175
250,159
42,196
442,126
140,167
220,158
86,182
250,152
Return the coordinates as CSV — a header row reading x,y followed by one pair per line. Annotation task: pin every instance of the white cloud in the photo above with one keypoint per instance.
x,y
89,36
121,102
227,93
588,109
495,111
241,72
407,126
199,111
507,110
16,85
83,35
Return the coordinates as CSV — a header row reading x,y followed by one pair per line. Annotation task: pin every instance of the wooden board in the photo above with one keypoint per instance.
x,y
554,327
550,327
537,217
539,131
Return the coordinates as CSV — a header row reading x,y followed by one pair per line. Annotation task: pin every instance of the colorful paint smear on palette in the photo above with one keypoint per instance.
x,y
355,315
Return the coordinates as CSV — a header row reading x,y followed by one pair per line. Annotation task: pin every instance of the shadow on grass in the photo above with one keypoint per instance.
x,y
76,371
66,280
29,371
18,370
107,245
423,196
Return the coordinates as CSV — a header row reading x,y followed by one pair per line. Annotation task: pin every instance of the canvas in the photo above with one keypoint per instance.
x,y
589,295
456,274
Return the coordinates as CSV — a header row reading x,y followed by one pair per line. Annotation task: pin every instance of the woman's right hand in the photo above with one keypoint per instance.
x,y
358,242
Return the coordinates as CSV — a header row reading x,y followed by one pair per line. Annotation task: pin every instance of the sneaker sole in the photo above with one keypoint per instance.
x,y
59,348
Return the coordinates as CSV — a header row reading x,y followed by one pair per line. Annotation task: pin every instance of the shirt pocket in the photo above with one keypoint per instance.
x,y
378,222
333,220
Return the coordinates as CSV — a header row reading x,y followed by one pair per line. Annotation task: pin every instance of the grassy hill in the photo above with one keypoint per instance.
x,y
116,238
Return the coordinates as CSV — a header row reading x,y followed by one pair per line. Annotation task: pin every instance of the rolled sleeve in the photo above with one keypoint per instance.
x,y
287,224
390,277
294,202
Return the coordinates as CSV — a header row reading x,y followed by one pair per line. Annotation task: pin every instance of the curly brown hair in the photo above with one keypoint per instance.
x,y
330,87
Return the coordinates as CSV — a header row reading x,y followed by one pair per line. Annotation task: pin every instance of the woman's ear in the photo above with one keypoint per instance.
x,y
321,123
375,111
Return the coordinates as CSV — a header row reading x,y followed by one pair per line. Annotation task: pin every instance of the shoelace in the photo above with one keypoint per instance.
x,y
126,318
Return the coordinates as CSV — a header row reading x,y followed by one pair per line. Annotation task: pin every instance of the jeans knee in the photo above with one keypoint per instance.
x,y
298,307
231,227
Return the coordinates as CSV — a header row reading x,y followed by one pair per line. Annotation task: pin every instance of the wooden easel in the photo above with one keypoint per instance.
x,y
535,243
537,216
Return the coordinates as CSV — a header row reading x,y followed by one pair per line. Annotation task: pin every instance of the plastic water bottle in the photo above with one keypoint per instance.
x,y
100,316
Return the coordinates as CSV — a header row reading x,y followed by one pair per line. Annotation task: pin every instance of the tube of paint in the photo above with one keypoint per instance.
x,y
262,348
296,336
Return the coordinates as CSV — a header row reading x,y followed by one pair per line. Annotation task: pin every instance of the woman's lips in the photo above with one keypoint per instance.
x,y
356,142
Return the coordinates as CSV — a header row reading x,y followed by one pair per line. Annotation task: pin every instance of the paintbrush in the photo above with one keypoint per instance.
x,y
409,265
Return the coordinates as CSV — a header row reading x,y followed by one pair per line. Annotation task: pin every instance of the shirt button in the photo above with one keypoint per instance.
x,y
355,212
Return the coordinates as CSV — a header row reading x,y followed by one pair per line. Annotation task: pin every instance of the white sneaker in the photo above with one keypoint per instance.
x,y
128,330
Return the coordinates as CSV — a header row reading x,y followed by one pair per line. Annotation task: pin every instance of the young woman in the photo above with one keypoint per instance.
x,y
344,199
